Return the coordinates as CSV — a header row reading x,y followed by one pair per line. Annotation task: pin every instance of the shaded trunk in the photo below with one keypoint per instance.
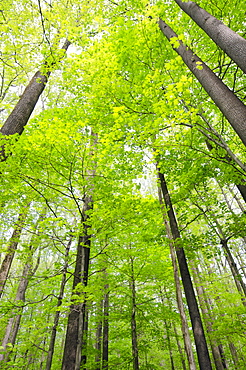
x,y
232,107
76,317
205,307
184,324
182,357
241,287
229,41
169,345
133,319
57,314
20,115
105,328
98,345
14,322
12,246
199,336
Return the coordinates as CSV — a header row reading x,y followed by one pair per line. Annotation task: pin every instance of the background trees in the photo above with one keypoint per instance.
x,y
122,83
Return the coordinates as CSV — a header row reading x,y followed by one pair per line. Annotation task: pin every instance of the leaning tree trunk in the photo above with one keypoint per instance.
x,y
12,246
184,324
206,309
229,104
14,322
197,327
20,115
229,41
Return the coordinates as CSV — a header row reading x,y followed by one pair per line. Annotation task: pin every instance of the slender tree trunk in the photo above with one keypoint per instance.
x,y
98,345
229,41
57,314
199,336
19,117
14,322
133,319
184,324
169,345
105,328
241,287
12,246
231,106
182,357
205,307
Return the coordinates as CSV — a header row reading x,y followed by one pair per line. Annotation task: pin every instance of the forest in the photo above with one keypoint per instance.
x,y
122,185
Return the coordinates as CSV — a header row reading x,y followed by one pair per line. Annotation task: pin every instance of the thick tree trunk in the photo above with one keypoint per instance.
x,y
57,314
20,115
12,246
184,324
76,317
229,41
232,107
199,336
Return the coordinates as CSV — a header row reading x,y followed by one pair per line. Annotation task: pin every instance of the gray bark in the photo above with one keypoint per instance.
x,y
57,314
184,324
229,104
20,115
12,246
197,327
229,41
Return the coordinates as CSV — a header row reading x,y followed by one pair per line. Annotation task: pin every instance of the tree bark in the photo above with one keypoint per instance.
x,y
184,324
229,104
205,307
229,41
76,317
57,314
14,322
199,336
133,318
20,115
105,328
12,246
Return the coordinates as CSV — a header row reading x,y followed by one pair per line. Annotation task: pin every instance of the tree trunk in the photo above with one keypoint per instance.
x,y
232,107
19,117
14,322
77,323
12,246
199,336
204,304
229,41
57,314
76,317
133,319
241,287
98,345
105,328
184,324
